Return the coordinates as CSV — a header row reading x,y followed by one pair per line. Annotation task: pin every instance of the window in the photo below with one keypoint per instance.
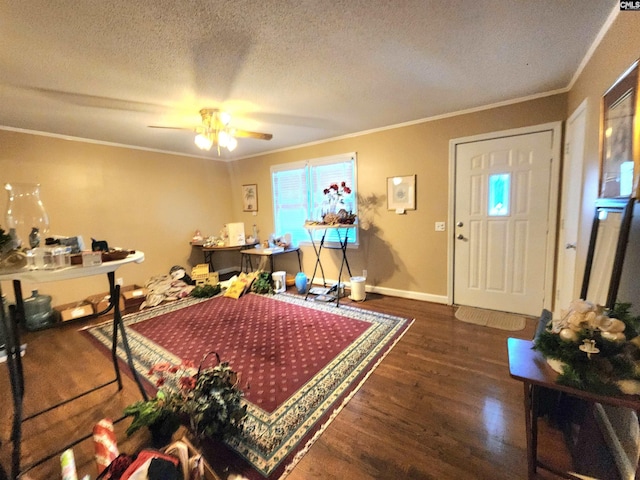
x,y
499,186
298,193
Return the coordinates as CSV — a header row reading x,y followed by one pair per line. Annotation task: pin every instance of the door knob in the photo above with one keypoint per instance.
x,y
459,224
569,246
460,236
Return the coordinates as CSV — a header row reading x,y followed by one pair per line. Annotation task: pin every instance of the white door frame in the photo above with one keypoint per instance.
x,y
556,150
573,163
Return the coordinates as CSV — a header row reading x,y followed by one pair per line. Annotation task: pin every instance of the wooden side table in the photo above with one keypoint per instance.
x,y
530,367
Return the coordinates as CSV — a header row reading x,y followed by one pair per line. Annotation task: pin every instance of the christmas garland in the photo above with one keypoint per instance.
x,y
599,350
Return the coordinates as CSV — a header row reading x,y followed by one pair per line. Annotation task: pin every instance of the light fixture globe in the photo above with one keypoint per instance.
x,y
223,138
204,142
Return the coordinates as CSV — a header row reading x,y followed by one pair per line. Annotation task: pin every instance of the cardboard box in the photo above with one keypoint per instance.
x,y
133,298
74,311
100,302
236,233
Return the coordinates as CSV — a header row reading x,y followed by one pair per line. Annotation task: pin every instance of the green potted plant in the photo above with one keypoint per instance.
x,y
214,405
262,283
157,414
207,400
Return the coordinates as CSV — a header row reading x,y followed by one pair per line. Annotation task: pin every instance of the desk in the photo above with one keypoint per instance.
x,y
260,252
531,368
14,361
209,251
342,241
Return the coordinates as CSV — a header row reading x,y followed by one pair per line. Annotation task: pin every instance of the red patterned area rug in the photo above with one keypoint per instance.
x,y
299,363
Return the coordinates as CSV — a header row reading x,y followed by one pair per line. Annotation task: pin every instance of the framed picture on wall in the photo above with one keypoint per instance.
x,y
250,198
401,193
620,148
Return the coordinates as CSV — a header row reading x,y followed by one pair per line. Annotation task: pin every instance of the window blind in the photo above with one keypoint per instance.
x,y
298,193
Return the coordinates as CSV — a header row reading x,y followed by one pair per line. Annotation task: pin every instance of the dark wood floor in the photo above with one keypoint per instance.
x,y
440,406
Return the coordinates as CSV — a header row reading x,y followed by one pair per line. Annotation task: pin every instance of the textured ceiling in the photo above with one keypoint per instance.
x,y
303,70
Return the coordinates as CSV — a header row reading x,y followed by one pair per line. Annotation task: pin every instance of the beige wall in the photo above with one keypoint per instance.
x,y
402,253
617,51
153,202
131,198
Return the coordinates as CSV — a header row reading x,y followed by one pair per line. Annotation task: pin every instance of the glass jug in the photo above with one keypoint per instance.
x,y
26,219
37,311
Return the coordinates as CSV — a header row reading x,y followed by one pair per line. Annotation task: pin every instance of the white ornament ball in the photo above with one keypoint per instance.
x,y
568,335
613,336
629,387
614,326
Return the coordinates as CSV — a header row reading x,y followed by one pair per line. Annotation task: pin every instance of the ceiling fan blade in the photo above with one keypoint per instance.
x,y
94,101
171,128
246,134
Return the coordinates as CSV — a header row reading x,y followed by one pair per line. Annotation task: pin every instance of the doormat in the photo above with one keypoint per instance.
x,y
491,318
299,364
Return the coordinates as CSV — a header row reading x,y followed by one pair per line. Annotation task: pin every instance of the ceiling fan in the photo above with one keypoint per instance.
x,y
215,130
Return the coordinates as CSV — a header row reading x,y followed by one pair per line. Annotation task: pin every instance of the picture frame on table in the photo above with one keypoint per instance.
x,y
401,193
620,138
250,197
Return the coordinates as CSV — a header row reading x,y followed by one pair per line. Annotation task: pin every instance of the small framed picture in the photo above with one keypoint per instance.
x,y
620,152
401,193
250,198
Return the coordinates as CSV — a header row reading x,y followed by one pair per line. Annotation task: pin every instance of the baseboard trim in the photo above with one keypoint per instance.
x,y
393,292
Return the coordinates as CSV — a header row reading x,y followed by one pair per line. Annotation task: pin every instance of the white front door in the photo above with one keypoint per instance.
x,y
502,195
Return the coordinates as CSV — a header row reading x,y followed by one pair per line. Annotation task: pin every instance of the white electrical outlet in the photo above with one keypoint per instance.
x,y
440,226
120,281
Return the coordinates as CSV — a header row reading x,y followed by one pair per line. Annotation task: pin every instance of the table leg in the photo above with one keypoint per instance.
x,y
317,250
245,263
343,248
119,324
208,258
531,427
16,377
299,261
19,312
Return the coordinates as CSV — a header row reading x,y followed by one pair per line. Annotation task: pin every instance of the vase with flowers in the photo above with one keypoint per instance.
x,y
334,207
207,400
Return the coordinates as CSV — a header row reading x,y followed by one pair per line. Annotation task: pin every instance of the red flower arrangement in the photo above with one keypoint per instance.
x,y
336,190
183,373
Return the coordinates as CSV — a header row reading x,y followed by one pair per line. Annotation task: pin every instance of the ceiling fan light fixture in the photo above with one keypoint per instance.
x,y
204,142
223,139
215,130
232,143
225,118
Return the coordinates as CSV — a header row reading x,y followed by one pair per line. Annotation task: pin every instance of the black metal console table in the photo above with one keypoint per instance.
x,y
317,248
